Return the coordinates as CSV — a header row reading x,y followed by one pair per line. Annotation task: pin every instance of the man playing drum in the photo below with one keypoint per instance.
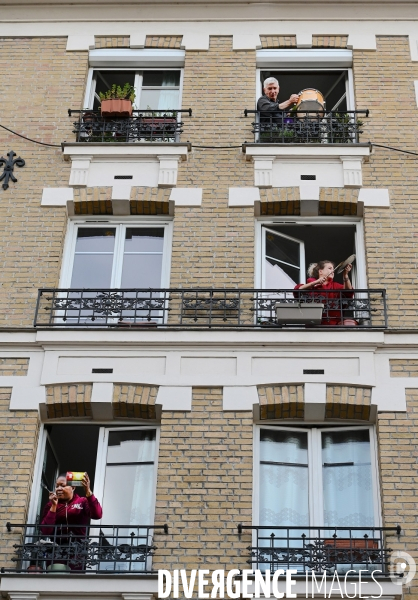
x,y
268,102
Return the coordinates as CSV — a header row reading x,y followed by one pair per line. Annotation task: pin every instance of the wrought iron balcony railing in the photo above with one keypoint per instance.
x,y
320,549
307,127
203,308
142,126
109,549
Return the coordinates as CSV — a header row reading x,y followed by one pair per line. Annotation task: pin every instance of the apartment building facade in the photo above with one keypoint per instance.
x,y
149,331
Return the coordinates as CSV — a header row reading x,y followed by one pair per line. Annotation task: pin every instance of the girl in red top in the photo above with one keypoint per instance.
x,y
321,277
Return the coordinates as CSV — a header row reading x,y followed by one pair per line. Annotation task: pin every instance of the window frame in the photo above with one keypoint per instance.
x,y
264,222
121,225
315,482
91,83
100,462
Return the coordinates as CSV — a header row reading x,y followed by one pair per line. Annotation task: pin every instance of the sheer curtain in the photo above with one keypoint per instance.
x,y
168,99
347,479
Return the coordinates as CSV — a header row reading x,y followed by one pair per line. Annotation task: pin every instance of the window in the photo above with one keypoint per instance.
x,y
288,249
317,502
116,255
322,477
121,463
154,89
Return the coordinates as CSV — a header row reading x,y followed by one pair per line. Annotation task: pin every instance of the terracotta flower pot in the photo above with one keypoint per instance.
x,y
116,108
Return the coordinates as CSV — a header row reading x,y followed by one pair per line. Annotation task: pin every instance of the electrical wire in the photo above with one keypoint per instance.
x,y
199,147
29,139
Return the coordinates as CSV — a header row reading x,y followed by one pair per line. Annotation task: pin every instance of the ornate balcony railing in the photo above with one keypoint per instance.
x,y
142,126
307,127
205,308
320,549
103,549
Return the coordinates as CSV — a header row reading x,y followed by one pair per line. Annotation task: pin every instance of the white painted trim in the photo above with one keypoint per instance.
x,y
175,398
377,197
315,58
304,40
121,191
413,46
362,41
76,43
80,152
57,196
137,40
246,41
187,196
245,196
240,398
37,476
316,151
136,58
195,41
416,91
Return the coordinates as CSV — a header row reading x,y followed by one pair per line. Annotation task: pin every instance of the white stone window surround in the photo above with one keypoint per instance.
x,y
282,165
315,59
138,60
315,468
151,165
341,221
120,223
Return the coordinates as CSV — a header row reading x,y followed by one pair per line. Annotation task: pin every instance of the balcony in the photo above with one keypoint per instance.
x,y
320,549
210,308
105,549
143,126
307,127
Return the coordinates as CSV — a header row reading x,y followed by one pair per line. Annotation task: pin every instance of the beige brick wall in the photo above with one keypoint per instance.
x,y
134,401
40,81
19,435
163,41
397,437
14,367
213,245
384,83
103,41
329,41
281,402
68,400
204,486
348,402
278,41
404,368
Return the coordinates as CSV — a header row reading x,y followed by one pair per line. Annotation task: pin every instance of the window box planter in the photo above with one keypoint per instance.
x,y
116,108
299,313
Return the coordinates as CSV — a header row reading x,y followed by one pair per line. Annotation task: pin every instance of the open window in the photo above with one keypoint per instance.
x,y
156,90
289,248
121,464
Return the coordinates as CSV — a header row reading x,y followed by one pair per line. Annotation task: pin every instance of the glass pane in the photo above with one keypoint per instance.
x,y
91,239
134,505
280,276
161,78
105,79
92,271
283,249
284,446
347,477
131,446
142,271
159,99
284,494
144,240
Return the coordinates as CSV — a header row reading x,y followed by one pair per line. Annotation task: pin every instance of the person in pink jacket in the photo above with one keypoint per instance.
x,y
66,516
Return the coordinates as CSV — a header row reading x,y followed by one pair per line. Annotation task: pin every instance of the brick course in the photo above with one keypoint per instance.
x,y
14,367
19,435
204,485
404,368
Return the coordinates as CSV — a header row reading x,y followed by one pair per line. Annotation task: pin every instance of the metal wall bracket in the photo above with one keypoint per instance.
x,y
9,165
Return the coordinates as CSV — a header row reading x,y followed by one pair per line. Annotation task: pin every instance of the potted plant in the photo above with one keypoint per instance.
x,y
117,102
159,123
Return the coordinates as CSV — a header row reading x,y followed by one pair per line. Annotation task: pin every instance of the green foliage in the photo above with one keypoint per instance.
x,y
116,92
